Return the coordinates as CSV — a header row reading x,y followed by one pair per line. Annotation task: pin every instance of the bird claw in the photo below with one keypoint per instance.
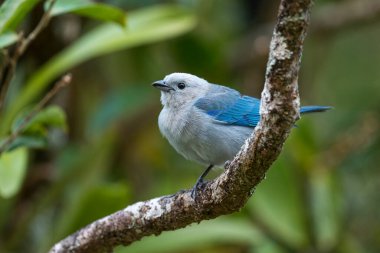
x,y
198,186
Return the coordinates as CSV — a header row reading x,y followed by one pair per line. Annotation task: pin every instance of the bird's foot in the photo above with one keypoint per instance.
x,y
198,186
200,182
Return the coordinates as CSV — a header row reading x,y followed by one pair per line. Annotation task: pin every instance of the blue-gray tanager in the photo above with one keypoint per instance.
x,y
205,122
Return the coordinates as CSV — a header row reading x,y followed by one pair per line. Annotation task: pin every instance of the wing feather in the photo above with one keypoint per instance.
x,y
227,106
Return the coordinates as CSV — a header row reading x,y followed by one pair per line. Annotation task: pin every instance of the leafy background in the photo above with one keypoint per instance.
x,y
97,148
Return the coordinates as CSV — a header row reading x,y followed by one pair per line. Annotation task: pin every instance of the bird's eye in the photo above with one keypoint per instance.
x,y
181,86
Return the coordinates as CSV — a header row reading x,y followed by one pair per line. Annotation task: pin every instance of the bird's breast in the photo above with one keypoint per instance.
x,y
180,129
197,137
171,123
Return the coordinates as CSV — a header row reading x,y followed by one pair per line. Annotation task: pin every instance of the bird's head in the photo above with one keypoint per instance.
x,y
179,89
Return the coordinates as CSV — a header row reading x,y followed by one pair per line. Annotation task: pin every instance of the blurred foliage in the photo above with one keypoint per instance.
x,y
7,39
12,171
321,195
13,12
88,9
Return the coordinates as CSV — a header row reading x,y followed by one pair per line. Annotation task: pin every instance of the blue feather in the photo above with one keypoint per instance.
x,y
228,106
314,108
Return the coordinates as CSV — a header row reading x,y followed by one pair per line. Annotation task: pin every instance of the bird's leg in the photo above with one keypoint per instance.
x,y
200,181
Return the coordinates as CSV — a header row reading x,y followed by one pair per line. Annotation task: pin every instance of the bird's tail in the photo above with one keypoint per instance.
x,y
314,108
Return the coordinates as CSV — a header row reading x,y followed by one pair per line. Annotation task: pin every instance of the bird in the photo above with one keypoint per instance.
x,y
207,123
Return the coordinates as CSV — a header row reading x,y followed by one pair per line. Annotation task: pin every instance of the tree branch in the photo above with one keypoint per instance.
x,y
230,191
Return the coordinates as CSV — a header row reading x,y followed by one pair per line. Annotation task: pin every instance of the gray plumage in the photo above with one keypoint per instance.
x,y
207,123
193,133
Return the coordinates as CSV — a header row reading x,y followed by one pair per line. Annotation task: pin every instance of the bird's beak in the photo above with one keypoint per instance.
x,y
162,86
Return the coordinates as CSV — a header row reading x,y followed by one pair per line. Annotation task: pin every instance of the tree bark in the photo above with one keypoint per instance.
x,y
230,191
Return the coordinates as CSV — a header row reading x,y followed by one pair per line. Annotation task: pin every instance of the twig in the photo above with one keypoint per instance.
x,y
230,191
20,49
4,63
9,70
63,82
40,26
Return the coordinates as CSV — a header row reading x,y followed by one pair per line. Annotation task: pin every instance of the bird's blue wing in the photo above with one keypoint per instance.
x,y
244,112
229,107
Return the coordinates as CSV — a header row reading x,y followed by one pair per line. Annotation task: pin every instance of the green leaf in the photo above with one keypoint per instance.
x,y
7,39
145,26
90,9
51,116
30,141
12,13
12,171
34,135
